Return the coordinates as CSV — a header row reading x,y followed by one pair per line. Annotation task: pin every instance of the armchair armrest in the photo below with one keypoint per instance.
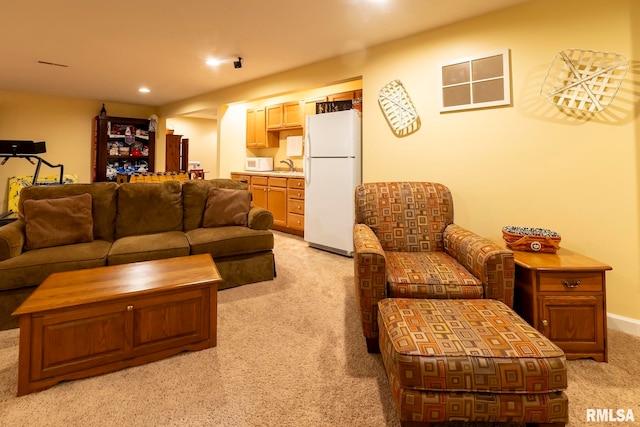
x,y
11,239
485,260
370,279
260,218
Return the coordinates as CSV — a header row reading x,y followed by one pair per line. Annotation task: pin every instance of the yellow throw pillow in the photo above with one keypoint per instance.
x,y
57,222
226,207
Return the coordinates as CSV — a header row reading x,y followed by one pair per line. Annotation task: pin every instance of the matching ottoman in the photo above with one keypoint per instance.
x,y
469,360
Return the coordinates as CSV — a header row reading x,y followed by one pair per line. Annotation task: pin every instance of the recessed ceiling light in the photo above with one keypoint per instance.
x,y
144,90
213,62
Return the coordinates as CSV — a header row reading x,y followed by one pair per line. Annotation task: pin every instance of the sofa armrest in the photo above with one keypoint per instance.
x,y
370,277
11,239
260,218
485,260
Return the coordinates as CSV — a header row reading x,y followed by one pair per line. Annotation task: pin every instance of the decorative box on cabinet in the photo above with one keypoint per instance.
x,y
122,145
563,295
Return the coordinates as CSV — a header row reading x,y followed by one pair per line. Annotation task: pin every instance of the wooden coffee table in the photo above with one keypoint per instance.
x,y
88,322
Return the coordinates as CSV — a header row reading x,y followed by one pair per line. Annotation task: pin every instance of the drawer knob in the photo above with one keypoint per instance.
x,y
545,322
572,284
129,308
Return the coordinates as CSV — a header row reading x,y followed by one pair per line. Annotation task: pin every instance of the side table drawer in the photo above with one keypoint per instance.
x,y
571,281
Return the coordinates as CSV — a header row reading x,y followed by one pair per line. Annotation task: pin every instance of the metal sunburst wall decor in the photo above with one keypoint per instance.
x,y
584,80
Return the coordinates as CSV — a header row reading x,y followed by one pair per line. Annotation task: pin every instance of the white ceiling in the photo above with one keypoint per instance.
x,y
111,48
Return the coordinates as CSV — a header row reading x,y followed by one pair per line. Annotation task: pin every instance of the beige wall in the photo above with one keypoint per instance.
x,y
527,164
203,141
65,124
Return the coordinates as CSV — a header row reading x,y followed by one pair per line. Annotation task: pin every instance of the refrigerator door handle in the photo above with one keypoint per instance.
x,y
307,151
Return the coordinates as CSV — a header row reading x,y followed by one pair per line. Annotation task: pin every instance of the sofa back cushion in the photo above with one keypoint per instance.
x,y
147,208
194,195
405,216
226,207
103,202
56,222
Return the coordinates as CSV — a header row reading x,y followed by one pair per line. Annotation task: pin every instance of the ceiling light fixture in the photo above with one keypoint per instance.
x,y
144,90
214,62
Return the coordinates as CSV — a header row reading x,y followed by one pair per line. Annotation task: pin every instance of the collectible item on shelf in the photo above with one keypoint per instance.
x,y
531,239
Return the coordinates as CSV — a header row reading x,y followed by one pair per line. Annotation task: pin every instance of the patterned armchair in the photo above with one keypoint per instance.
x,y
407,246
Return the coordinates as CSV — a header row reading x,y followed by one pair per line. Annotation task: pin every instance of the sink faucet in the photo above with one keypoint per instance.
x,y
289,163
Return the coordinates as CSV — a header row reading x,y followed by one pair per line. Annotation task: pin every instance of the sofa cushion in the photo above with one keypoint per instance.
x,y
429,275
56,222
147,208
226,207
103,199
32,267
228,241
194,195
148,247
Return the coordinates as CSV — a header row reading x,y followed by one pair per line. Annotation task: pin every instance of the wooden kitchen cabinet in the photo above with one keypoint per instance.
x,y
295,194
284,116
283,196
259,189
271,193
346,96
257,136
563,295
277,200
242,178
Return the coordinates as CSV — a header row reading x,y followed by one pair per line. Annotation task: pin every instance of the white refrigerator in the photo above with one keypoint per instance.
x,y
333,169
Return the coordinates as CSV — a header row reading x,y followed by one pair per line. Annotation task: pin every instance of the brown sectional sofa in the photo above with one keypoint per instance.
x,y
136,222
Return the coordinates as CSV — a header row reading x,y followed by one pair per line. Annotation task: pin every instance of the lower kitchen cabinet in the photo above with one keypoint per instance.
x,y
283,196
277,200
295,191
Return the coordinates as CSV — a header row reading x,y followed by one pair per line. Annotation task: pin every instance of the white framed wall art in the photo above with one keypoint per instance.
x,y
476,82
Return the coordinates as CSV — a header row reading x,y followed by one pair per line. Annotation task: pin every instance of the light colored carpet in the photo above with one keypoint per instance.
x,y
290,353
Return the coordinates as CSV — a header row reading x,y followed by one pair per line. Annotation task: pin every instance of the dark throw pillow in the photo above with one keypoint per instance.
x,y
226,207
57,222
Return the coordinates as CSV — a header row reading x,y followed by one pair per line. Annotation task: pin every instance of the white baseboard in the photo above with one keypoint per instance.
x,y
623,324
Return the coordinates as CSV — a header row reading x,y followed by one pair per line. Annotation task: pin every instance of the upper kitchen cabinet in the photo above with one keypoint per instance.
x,y
284,116
309,105
257,136
346,96
122,145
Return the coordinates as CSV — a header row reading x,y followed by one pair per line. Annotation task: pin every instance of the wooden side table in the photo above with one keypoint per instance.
x,y
563,295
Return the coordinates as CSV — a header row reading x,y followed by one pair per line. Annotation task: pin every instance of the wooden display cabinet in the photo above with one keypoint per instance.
x,y
122,145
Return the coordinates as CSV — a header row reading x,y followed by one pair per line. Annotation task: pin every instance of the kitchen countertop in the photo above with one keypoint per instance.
x,y
295,174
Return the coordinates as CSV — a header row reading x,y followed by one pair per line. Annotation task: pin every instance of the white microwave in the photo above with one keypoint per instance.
x,y
260,164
